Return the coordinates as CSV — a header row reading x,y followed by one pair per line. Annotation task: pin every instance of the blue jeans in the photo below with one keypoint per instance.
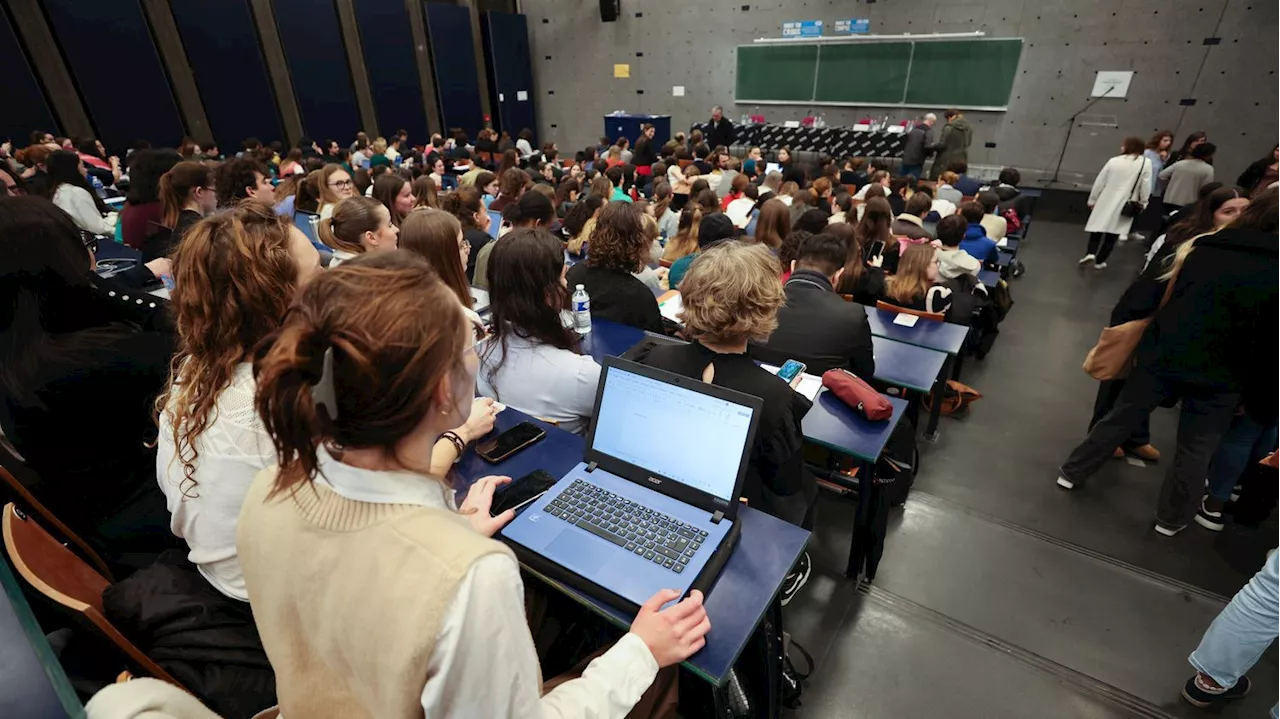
x,y
917,170
1243,631
1246,442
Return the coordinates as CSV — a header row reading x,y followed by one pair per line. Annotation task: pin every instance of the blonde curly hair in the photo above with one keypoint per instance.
x,y
732,292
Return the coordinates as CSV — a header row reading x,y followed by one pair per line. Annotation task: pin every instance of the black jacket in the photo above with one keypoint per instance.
x,y
870,283
917,146
819,328
618,296
1218,330
643,155
719,133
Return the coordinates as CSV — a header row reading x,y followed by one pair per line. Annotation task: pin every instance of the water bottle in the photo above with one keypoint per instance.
x,y
581,310
96,184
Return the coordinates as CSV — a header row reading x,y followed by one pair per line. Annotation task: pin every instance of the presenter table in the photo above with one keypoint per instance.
x,y
835,141
745,593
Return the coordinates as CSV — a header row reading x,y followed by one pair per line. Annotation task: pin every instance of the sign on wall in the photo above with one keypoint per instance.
x,y
853,27
1111,83
802,28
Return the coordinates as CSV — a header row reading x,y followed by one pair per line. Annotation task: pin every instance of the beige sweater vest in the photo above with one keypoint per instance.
x,y
349,596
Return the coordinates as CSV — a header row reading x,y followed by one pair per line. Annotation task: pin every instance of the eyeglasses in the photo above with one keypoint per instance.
x,y
341,184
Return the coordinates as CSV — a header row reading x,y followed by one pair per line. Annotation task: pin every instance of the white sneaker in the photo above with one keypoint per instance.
x,y
1099,265
1087,258
1065,483
1168,531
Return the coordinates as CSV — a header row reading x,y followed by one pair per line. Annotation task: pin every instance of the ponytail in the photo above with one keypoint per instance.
x,y
351,218
285,371
463,203
176,186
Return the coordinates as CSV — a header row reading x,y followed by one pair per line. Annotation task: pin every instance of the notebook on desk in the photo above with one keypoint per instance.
x,y
639,515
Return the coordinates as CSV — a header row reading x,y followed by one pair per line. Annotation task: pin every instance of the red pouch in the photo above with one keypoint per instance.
x,y
857,394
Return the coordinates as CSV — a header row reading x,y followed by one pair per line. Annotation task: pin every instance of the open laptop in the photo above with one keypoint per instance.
x,y
654,503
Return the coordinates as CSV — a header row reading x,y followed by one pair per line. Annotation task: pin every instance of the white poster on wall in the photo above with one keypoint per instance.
x,y
522,95
1111,83
677,90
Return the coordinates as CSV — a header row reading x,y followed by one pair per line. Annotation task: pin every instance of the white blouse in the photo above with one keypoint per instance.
x,y
541,380
77,202
233,448
485,629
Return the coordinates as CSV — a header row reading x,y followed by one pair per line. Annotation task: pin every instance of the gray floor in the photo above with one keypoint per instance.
x,y
1000,595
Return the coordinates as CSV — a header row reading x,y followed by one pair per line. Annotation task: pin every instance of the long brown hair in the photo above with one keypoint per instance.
x,y
396,334
685,242
912,278
510,160
774,223
433,235
618,241
876,223
385,190
234,279
351,218
176,186
424,188
854,264
326,194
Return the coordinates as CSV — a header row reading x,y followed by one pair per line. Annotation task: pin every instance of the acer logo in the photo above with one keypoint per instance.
x,y
655,480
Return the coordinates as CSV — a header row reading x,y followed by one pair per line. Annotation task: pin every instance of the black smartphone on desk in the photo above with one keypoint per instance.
x,y
521,492
509,442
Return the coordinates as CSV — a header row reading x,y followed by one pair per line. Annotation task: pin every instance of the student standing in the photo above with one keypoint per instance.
x,y
953,142
1125,178
429,618
720,132
916,149
1181,356
1261,174
1184,178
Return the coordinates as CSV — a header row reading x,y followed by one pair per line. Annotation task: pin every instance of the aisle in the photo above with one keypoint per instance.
x,y
1002,596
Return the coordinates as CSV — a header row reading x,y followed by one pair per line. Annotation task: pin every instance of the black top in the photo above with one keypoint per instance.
x,y
794,172
819,328
719,133
478,239
164,241
896,203
486,146
935,299
85,435
870,283
617,296
776,461
916,147
1218,331
703,166
643,155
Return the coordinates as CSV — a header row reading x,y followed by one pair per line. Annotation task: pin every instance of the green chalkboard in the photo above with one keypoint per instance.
x,y
977,73
863,72
776,72
932,73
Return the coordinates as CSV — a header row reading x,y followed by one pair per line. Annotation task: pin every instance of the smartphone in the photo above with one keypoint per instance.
x,y
874,249
791,370
521,492
508,443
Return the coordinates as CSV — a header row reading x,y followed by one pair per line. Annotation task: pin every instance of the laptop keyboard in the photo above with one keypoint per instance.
x,y
654,536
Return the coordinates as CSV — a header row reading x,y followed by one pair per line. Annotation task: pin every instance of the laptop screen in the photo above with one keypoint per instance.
x,y
672,431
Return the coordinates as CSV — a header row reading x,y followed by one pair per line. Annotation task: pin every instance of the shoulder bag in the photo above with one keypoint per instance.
x,y
1133,208
1112,357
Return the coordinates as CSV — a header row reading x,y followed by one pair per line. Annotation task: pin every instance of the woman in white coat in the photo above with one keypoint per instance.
x,y
1126,177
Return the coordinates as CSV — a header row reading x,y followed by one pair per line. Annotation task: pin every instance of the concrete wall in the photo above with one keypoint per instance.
x,y
692,43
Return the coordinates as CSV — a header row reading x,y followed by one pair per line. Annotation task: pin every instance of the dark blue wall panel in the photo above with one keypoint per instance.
x,y
24,105
453,64
389,59
231,74
317,62
117,69
506,40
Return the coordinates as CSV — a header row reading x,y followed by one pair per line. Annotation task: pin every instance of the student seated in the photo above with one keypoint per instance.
x,y
852,172
910,222
140,217
879,177
616,194
531,210
874,233
967,186
358,225
685,240
186,196
713,228
244,178
72,193
464,203
335,185
843,209
953,261
619,248
899,190
945,191
437,237
915,286
396,194
731,297
511,185
80,365
430,614
995,225
817,326
975,240
532,361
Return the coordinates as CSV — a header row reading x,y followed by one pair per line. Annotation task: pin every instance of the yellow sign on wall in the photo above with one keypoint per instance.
x,y
622,71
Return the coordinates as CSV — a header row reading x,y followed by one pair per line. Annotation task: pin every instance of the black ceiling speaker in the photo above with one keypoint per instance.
x,y
609,10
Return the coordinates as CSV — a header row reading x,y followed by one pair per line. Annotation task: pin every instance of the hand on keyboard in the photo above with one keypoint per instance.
x,y
479,500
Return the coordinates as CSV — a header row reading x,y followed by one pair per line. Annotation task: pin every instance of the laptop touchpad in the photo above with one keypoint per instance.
x,y
585,558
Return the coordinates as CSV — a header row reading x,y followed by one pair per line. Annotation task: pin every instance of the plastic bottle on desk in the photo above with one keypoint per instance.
x,y
581,310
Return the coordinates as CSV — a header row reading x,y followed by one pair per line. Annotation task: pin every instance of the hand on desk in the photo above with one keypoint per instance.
x,y
673,634
479,500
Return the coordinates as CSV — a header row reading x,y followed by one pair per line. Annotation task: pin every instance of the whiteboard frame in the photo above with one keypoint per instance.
x,y
978,36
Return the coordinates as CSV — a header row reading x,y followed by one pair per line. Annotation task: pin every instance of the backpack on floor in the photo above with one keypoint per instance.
x,y
899,463
956,398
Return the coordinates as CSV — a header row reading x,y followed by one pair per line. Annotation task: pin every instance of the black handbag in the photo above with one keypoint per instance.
x,y
1133,208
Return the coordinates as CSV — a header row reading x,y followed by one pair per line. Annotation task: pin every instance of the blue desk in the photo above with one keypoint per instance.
x,y
1003,260
990,278
109,250
623,124
32,682
1010,245
746,589
941,336
910,366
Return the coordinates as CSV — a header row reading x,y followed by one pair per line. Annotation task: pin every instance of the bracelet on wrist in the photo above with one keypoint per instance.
x,y
457,443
